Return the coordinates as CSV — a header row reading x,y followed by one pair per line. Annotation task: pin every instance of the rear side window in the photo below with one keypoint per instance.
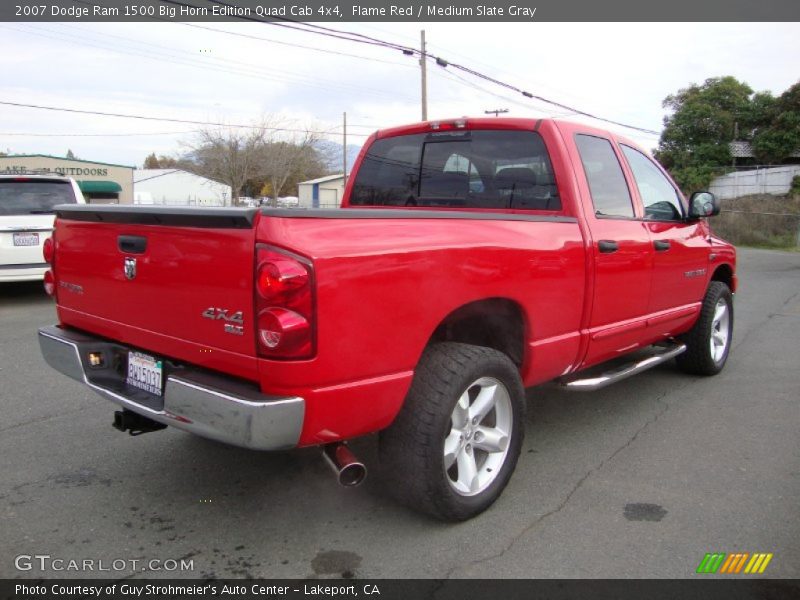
x,y
472,169
33,196
610,194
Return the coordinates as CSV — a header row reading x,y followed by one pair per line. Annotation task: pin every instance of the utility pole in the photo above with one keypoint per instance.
x,y
423,63
496,112
344,147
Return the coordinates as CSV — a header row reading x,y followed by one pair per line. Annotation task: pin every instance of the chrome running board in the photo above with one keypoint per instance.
x,y
579,382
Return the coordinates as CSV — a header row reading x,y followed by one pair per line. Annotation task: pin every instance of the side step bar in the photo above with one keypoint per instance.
x,y
581,383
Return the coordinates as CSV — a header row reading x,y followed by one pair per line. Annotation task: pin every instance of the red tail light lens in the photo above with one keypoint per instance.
x,y
280,328
279,277
284,305
48,250
49,283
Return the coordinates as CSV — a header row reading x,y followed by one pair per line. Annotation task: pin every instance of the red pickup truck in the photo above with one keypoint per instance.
x,y
469,259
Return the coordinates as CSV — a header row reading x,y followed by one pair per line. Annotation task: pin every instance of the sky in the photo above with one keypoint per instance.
x,y
241,73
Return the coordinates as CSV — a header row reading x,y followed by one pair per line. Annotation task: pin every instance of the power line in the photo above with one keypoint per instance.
x,y
455,77
553,114
26,134
249,70
263,39
311,28
171,120
303,46
502,71
360,38
407,50
542,99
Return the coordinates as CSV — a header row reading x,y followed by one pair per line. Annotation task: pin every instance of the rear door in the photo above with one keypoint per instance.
x,y
680,247
622,252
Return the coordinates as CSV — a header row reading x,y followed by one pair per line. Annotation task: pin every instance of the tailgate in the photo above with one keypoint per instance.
x,y
175,281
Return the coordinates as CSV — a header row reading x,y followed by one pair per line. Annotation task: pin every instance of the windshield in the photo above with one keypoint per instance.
x,y
33,196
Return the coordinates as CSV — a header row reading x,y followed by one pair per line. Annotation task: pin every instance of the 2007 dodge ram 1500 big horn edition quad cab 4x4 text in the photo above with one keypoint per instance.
x,y
469,259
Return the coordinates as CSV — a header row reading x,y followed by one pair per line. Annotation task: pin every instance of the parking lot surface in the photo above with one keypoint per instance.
x,y
640,479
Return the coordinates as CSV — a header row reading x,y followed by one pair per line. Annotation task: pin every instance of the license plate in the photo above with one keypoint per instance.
x,y
145,372
26,239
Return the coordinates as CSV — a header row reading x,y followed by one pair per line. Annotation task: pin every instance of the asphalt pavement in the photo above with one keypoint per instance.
x,y
641,479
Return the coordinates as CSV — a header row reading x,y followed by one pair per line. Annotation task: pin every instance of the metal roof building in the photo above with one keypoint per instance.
x,y
325,192
178,187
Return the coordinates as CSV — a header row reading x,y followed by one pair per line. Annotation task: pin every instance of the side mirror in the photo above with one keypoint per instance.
x,y
703,204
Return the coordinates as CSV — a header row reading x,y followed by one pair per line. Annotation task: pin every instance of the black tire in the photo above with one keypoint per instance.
x,y
412,448
699,358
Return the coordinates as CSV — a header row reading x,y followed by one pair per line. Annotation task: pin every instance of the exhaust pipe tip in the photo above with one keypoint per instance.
x,y
349,471
352,475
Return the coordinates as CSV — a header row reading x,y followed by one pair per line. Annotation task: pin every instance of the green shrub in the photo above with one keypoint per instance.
x,y
795,189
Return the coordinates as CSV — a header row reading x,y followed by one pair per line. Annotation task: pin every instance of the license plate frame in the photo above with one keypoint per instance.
x,y
145,372
26,239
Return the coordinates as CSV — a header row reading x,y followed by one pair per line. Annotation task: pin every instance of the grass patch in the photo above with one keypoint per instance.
x,y
761,221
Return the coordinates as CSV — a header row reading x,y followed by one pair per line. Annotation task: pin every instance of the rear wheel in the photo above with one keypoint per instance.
x,y
455,443
708,343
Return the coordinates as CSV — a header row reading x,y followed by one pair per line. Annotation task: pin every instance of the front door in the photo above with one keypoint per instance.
x,y
680,247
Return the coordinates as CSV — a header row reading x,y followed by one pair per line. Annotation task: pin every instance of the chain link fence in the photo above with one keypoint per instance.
x,y
760,206
764,229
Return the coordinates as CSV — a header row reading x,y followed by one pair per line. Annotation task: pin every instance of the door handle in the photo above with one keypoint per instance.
x,y
607,246
132,244
661,245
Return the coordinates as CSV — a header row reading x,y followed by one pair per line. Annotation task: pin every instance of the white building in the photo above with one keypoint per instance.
x,y
178,188
325,192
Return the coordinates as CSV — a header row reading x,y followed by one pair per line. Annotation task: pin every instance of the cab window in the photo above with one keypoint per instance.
x,y
610,194
661,201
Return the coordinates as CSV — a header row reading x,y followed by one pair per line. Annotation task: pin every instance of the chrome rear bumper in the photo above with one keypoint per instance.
x,y
195,400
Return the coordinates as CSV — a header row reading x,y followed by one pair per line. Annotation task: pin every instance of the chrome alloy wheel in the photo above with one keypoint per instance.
x,y
720,330
477,445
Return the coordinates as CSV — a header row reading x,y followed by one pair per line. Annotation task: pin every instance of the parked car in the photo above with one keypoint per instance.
x,y
288,202
26,220
469,259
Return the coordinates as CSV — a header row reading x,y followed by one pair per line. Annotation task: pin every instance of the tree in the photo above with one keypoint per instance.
x,y
288,161
151,161
71,154
166,162
228,155
266,153
695,142
310,163
781,137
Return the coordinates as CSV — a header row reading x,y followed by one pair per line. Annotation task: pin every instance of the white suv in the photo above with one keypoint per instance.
x,y
26,220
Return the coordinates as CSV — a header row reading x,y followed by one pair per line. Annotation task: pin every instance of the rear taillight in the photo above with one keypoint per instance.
x,y
48,250
49,254
284,303
50,283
